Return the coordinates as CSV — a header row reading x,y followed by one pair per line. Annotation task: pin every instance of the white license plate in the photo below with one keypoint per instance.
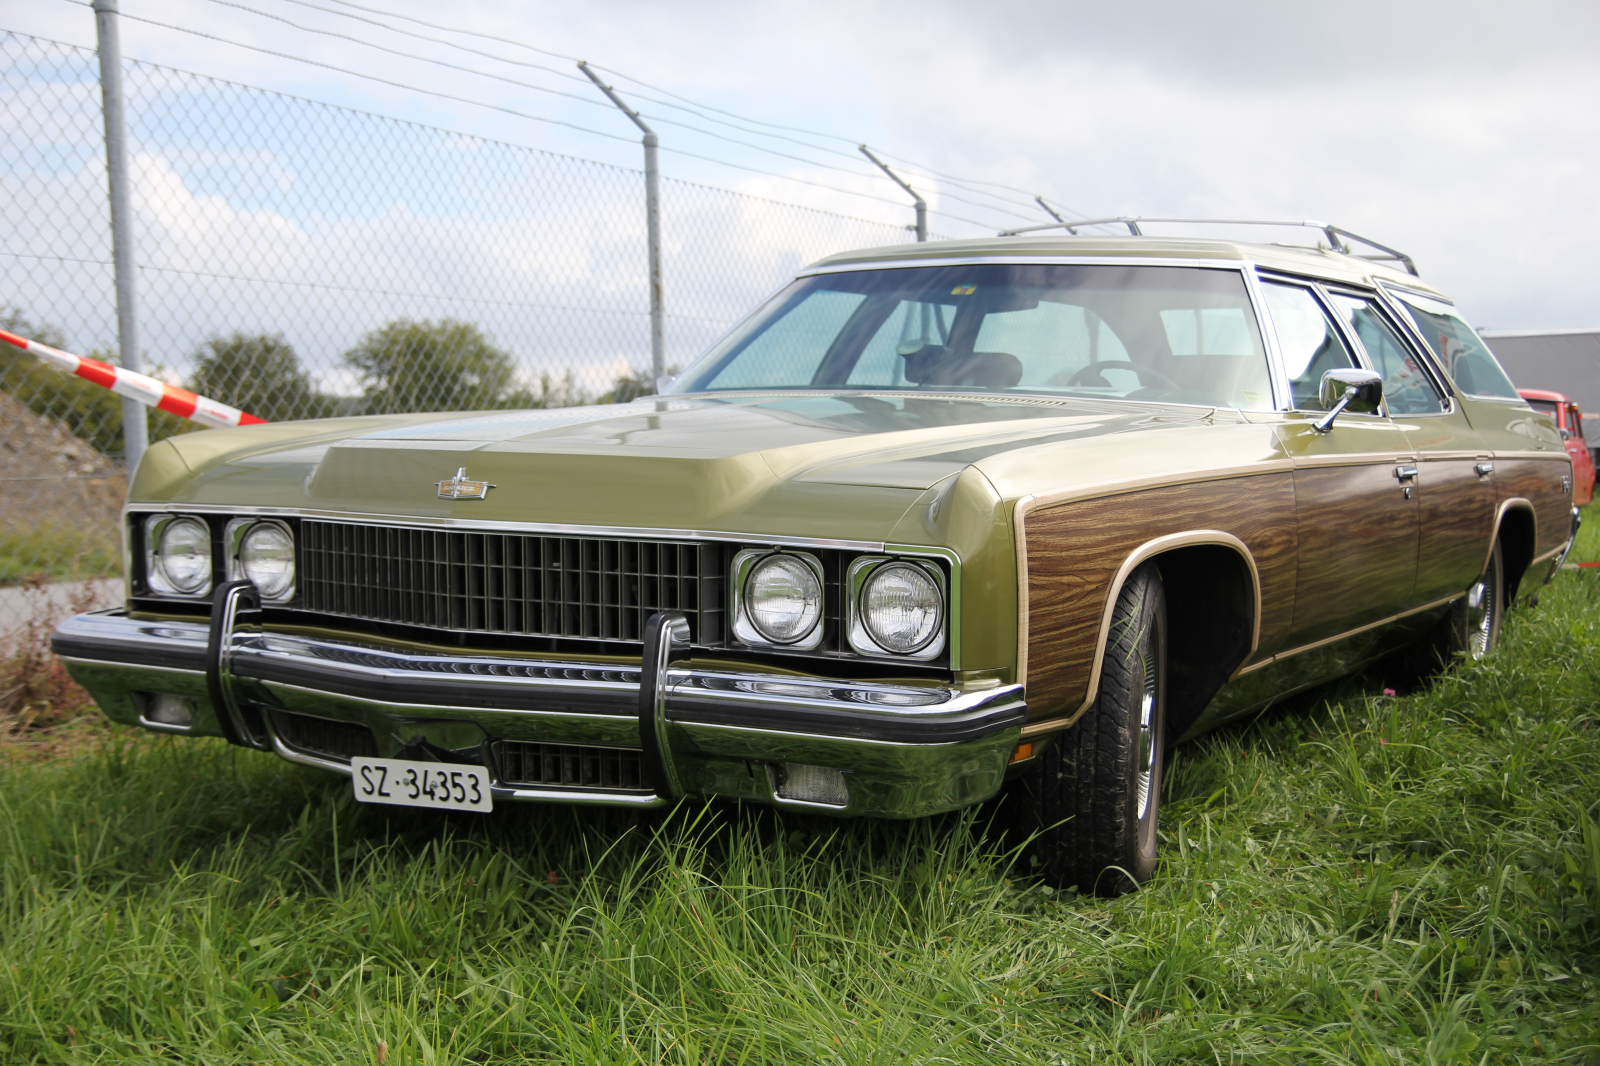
x,y
421,784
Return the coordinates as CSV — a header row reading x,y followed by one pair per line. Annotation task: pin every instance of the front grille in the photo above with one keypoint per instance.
x,y
583,587
324,736
522,762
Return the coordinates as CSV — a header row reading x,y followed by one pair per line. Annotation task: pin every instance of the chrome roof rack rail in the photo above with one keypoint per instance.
x,y
1336,235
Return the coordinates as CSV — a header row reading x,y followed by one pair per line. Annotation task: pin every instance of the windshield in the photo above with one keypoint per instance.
x,y
1165,334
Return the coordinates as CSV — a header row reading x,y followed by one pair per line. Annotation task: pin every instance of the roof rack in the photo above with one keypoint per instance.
x,y
1334,233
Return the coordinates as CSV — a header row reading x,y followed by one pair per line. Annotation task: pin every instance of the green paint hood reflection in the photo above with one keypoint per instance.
x,y
845,465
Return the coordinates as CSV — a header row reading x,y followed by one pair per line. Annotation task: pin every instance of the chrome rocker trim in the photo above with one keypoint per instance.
x,y
907,749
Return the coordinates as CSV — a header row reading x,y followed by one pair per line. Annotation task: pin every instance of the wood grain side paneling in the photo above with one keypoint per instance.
x,y
1457,507
1074,551
1357,548
1539,482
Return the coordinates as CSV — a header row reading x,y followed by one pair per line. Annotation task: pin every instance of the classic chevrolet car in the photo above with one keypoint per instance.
x,y
935,521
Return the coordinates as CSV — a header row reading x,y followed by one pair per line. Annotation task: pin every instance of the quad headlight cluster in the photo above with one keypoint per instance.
x,y
894,607
179,556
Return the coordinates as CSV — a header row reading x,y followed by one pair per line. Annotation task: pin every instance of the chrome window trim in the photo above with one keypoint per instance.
x,y
744,630
856,633
1017,259
1386,308
233,537
1320,295
1282,394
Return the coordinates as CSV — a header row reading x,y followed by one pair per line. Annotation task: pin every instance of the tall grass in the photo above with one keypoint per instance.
x,y
1364,878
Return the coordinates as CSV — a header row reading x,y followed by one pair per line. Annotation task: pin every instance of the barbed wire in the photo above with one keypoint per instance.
x,y
699,110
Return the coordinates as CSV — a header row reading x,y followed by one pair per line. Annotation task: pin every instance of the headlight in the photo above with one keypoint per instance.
x,y
266,557
183,555
783,599
898,608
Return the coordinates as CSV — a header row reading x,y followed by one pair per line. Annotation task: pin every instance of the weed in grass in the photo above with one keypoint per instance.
x,y
1364,878
38,700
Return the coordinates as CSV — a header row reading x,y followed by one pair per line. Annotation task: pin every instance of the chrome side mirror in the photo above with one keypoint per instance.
x,y
1349,388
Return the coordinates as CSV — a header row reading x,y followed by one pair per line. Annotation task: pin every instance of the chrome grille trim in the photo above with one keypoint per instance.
x,y
522,762
508,582
327,737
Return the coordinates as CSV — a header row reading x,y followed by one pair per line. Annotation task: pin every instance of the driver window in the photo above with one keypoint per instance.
x,y
1406,388
1308,340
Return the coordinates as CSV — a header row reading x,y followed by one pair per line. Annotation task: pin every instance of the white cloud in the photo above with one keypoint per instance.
x,y
1462,133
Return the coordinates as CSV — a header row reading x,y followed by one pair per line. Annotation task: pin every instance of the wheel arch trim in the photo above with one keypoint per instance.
x,y
1152,549
1501,512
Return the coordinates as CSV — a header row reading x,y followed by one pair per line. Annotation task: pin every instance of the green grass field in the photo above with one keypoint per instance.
x,y
1364,878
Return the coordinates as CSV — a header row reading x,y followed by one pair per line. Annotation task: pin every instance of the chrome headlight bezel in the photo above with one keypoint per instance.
x,y
857,575
745,629
156,580
233,539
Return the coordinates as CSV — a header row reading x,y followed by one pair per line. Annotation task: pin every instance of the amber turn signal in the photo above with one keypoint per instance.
x,y
1024,751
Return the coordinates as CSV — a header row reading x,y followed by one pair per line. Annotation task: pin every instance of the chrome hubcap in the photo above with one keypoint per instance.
x,y
1481,607
1147,738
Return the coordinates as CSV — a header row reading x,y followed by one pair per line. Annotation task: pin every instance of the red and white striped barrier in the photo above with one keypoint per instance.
x,y
146,390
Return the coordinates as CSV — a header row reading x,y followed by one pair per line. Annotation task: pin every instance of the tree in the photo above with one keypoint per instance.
x,y
258,373
430,366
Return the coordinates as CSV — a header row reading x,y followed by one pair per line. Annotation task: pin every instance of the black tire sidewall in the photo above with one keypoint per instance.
x,y
1081,804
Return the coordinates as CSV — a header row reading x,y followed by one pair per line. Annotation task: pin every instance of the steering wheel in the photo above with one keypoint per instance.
x,y
1090,374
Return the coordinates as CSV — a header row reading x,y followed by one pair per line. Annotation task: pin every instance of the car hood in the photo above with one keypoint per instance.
x,y
794,463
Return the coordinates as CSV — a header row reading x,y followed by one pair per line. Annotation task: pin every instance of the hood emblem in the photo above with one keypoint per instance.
x,y
461,487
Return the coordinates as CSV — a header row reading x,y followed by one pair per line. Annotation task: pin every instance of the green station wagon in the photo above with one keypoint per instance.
x,y
935,521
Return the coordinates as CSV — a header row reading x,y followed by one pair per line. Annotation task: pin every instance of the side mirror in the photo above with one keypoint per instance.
x,y
1349,388
1566,434
664,382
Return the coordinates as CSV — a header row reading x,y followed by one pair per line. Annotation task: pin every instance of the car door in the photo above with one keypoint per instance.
x,y
1357,515
1531,468
1453,487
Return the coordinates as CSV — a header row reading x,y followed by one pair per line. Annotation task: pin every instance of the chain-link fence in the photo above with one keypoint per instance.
x,y
299,260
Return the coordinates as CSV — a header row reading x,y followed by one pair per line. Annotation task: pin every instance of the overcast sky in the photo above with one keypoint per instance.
x,y
1463,132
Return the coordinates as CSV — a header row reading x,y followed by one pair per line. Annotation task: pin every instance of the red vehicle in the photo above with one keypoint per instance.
x,y
1569,420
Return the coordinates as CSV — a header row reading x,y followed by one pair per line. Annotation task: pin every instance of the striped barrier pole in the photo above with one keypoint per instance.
x,y
136,386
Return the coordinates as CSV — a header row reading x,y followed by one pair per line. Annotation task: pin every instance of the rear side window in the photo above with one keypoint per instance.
x,y
1463,355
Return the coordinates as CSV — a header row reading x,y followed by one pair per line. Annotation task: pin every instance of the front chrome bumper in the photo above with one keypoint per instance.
x,y
907,749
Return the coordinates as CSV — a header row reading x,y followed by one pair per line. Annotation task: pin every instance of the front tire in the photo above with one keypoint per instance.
x,y
1094,801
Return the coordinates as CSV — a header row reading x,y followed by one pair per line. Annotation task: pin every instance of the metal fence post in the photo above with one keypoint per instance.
x,y
917,201
652,222
135,431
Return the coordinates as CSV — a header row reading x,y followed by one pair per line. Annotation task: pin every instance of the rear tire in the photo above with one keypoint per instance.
x,y
1094,801
1471,627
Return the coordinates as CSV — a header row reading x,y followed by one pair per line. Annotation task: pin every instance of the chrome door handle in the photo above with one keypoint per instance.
x,y
1484,469
1406,472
